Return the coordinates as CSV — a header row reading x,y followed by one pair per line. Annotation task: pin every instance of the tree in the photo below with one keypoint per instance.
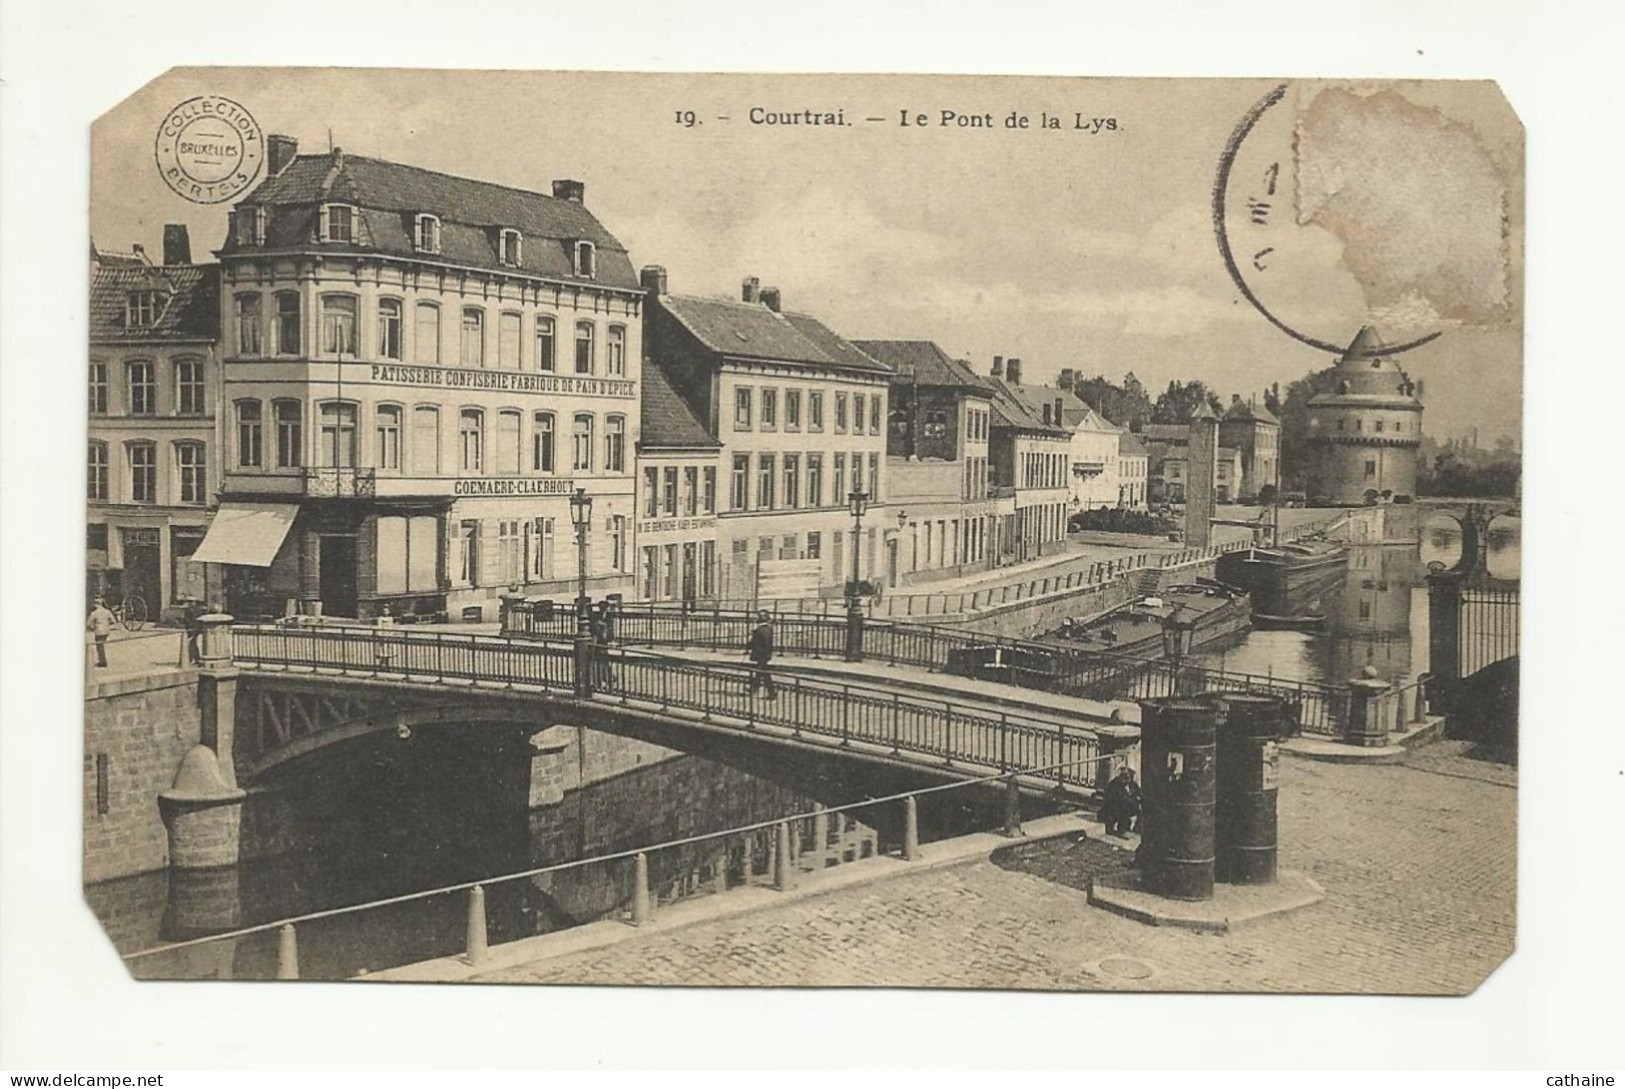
x,y
1126,404
1176,404
1294,416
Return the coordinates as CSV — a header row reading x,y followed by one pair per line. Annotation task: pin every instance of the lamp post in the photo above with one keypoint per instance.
x,y
581,518
858,503
1177,633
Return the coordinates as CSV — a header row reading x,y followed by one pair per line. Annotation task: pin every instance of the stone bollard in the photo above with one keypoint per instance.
x,y
287,953
911,829
1419,712
202,813
640,889
214,640
782,871
477,947
1367,726
1012,807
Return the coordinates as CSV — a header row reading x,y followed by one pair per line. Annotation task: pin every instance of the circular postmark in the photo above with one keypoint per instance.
x,y
209,149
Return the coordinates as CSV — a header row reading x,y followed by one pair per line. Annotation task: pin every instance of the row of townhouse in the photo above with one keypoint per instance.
x,y
390,385
1248,464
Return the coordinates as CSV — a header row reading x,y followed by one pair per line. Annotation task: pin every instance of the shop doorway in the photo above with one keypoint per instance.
x,y
338,583
143,570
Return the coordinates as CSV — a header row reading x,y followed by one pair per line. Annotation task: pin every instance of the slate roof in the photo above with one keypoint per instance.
x,y
752,331
924,363
471,212
189,300
1241,410
1011,411
667,421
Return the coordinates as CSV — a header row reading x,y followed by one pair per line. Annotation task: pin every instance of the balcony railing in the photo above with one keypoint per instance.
x,y
325,482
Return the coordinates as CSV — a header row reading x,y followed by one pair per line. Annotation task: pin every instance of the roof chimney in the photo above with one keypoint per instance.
x,y
139,250
570,189
177,244
653,278
1058,416
998,366
1012,371
770,298
748,289
279,152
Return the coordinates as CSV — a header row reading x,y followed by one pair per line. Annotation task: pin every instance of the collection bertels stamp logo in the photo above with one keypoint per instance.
x,y
209,149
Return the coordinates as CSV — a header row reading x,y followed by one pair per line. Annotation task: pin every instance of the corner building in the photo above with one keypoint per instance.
x,y
799,416
419,370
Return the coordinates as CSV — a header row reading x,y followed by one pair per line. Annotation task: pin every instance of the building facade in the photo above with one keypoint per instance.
x,y
153,462
1030,465
679,470
1255,434
937,447
1133,471
1364,437
1091,446
419,371
800,415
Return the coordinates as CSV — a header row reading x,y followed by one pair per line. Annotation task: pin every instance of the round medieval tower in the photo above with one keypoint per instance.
x,y
1364,435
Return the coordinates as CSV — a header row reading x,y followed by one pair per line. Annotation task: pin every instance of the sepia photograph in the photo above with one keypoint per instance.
x,y
721,530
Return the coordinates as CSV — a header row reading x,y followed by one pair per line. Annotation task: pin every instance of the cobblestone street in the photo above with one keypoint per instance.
x,y
1418,863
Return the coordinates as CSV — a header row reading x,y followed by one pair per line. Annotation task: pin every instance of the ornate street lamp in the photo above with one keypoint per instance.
x,y
858,503
581,518
1177,633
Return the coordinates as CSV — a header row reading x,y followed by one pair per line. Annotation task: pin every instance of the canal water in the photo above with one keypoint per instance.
x,y
410,818
401,825
1376,611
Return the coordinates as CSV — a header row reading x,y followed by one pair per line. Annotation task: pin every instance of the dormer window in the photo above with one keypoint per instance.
x,y
426,235
509,247
141,309
338,223
586,260
251,226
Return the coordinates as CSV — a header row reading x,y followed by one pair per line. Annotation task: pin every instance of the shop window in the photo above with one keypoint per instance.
x,y
186,579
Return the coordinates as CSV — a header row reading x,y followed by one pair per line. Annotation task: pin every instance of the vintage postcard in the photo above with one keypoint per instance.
x,y
897,531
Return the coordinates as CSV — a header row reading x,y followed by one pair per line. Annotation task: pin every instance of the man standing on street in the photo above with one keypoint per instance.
x,y
760,651
1120,809
100,625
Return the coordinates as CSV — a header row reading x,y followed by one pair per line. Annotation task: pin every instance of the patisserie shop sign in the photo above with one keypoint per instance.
x,y
504,381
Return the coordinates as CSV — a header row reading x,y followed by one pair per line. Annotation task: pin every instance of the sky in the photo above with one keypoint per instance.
x,y
1093,248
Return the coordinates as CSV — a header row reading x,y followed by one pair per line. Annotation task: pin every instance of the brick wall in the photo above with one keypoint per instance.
x,y
141,727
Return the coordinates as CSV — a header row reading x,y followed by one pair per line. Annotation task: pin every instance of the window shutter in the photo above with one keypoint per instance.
x,y
487,552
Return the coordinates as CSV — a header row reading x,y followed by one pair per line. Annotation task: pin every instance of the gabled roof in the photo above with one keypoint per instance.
x,y
753,331
1130,446
924,363
471,213
1075,414
188,299
1241,410
667,421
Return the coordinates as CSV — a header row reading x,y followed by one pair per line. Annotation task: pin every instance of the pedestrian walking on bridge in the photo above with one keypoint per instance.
x,y
760,652
100,625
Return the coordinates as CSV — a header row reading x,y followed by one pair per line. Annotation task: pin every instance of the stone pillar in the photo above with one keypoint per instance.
x,y
217,692
1200,469
1444,625
1367,726
202,813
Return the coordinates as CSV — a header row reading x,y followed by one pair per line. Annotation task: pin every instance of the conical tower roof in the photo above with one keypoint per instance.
x,y
1366,345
